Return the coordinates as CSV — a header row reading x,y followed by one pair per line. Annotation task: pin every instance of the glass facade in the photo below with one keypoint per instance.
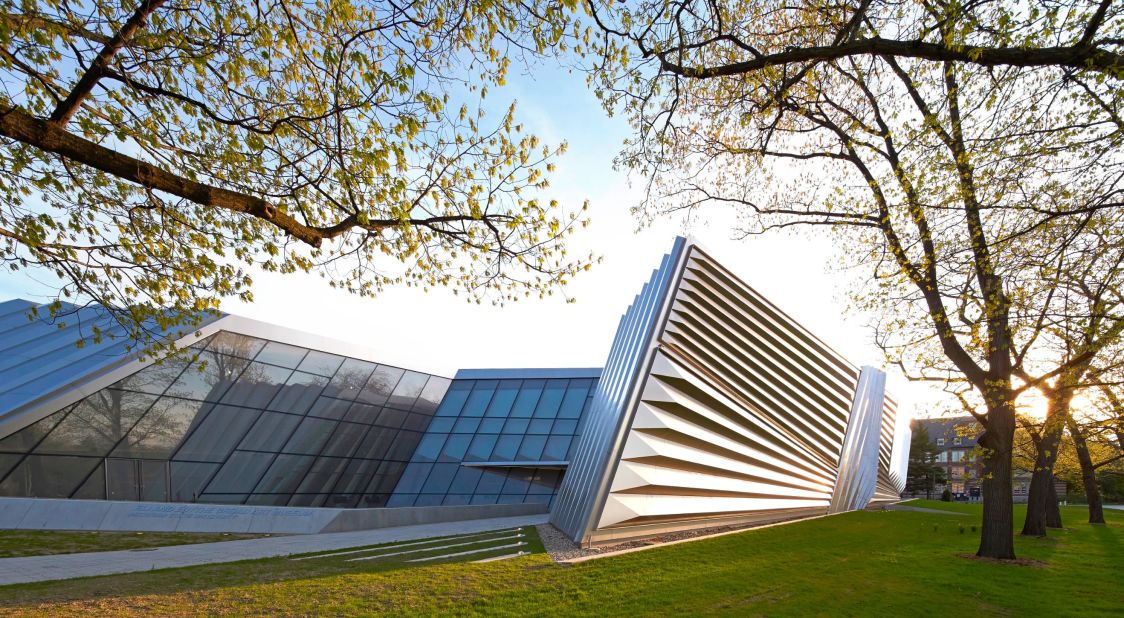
x,y
232,420
496,441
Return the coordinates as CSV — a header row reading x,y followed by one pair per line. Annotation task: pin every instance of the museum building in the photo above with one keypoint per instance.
x,y
713,408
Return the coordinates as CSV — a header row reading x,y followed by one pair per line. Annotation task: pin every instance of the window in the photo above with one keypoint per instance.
x,y
940,441
956,441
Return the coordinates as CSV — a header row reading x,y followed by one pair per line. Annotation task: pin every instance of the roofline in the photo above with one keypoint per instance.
x,y
527,373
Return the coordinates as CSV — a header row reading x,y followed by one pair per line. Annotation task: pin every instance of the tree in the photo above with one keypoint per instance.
x,y
1095,449
152,152
948,179
922,473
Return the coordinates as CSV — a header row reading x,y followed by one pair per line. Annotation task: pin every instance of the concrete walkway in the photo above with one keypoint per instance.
x,y
1119,507
921,509
67,566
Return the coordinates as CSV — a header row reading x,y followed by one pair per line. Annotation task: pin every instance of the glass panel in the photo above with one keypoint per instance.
x,y
345,439
154,480
465,481
429,500
556,447
551,399
403,446
240,473
234,344
349,379
321,363
188,479
377,443
516,425
575,398
481,395
380,385
399,500
285,474
362,413
94,426
373,501
518,482
307,500
431,395
154,378
322,476
468,425
341,501
356,476
455,447
25,439
7,462
565,426
456,499
310,436
256,386
94,487
484,498
506,447
386,478
47,476
490,425
429,447
413,478
326,407
222,498
531,448
546,482
528,397
407,390
121,479
504,398
481,448
442,424
540,425
416,422
218,434
391,417
208,377
439,478
454,399
162,428
510,499
491,481
276,353
300,390
268,499
270,432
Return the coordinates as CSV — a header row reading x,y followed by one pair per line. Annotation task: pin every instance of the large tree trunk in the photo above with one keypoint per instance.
x,y
997,538
1088,474
1053,511
1042,480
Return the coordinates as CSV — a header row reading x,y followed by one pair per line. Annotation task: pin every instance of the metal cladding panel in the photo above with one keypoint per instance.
x,y
900,458
859,462
586,479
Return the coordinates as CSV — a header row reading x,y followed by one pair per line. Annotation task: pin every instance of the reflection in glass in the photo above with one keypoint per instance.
x,y
188,479
504,398
218,434
320,363
256,386
47,476
310,436
349,379
431,395
208,377
240,473
162,428
300,390
455,398
233,344
285,474
407,390
270,432
96,424
479,398
121,479
380,385
281,354
25,439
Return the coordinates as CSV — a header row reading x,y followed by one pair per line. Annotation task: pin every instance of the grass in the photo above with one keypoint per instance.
x,y
862,563
15,543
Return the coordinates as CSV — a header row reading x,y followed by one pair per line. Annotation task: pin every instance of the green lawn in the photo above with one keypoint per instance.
x,y
863,563
47,542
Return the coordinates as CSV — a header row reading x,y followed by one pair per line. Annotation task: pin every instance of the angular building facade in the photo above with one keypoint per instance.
x,y
713,408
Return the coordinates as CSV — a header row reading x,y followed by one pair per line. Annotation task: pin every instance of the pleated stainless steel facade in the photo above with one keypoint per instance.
x,y
859,463
715,407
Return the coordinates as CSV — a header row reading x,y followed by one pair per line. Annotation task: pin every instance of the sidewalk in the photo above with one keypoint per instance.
x,y
67,566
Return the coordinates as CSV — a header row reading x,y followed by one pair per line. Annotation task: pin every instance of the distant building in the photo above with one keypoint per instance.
x,y
955,440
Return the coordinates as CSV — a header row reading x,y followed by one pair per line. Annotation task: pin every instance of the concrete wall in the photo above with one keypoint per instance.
x,y
106,516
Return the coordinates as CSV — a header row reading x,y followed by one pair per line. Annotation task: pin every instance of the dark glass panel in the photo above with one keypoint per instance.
x,y
413,478
320,363
121,479
531,449
556,448
47,476
491,481
456,499
454,399
94,487
407,390
551,399
326,407
240,473
506,447
162,428
455,447
504,398
386,478
465,481
222,498
528,397
468,424
300,390
431,395
281,354
429,500
442,424
345,439
154,480
268,499
546,482
377,442
373,501
391,417
540,425
25,439
380,385
403,446
188,479
349,379
7,462
481,448
356,476
208,378
510,499
218,434
270,432
484,498
307,499
95,425
516,425
429,447
479,398
362,413
341,501
439,478
322,475
576,394
538,499
400,500
518,482
233,344
310,436
416,422
491,425
565,426
284,474
155,378
256,386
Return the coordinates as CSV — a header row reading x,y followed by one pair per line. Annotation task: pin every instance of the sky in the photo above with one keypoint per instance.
x,y
439,333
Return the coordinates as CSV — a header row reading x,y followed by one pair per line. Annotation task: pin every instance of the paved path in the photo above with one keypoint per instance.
x,y
66,566
1119,507
921,509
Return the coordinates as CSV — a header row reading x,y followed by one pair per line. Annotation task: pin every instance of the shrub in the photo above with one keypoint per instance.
x,y
946,496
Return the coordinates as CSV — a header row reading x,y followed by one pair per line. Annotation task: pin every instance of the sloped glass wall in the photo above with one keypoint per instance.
x,y
232,420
